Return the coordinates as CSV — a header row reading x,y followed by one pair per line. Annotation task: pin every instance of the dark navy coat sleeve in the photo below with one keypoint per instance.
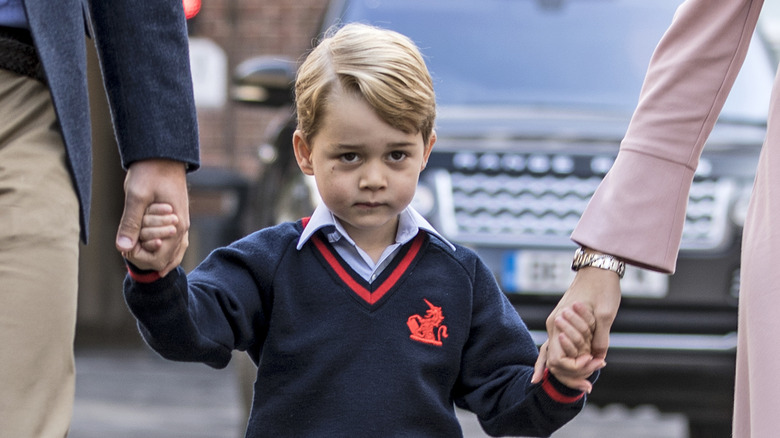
x,y
144,56
143,49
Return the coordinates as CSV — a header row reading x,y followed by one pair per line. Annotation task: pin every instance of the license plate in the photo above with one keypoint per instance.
x,y
549,273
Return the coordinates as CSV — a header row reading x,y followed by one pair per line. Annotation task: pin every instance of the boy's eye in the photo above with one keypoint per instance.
x,y
349,157
397,155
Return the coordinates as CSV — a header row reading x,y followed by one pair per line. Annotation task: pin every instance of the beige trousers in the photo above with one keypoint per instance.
x,y
39,248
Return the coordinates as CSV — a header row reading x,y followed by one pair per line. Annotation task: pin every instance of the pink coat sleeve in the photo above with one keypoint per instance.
x,y
638,211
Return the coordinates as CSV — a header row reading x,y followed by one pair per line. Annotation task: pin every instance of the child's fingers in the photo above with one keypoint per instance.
x,y
159,208
586,313
580,331
158,224
579,384
574,337
151,245
139,256
581,365
569,349
158,220
580,323
156,232
573,372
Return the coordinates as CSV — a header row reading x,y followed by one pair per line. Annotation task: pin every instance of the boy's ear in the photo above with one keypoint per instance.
x,y
302,153
428,149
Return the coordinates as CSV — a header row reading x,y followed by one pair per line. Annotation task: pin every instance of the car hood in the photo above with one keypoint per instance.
x,y
572,129
512,124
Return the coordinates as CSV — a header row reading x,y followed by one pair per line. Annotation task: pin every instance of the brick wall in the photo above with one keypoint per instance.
x,y
243,29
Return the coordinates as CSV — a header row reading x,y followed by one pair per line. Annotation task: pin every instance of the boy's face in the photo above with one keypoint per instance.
x,y
366,171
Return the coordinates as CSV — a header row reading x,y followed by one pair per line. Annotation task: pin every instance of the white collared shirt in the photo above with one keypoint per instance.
x,y
410,222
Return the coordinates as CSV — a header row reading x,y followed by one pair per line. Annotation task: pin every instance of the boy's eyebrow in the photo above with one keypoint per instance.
x,y
397,144
401,144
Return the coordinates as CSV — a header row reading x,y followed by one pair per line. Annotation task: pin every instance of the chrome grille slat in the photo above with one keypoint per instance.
x,y
543,209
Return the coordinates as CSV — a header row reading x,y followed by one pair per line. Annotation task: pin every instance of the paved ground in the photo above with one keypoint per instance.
x,y
134,394
131,393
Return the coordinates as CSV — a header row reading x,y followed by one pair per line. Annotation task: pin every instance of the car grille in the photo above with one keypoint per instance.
x,y
509,208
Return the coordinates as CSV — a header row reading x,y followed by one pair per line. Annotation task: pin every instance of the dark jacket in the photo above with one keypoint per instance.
x,y
143,50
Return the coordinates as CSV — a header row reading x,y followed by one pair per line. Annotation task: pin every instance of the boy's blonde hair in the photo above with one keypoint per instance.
x,y
382,66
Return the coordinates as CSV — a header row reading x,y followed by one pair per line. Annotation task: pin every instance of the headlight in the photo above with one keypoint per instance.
x,y
267,153
423,200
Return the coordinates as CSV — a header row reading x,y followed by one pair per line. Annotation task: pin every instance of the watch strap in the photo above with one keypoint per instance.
x,y
583,259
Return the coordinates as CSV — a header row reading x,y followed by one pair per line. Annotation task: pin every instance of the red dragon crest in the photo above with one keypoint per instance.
x,y
428,329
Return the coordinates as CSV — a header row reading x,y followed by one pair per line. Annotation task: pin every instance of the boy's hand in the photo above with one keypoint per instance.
x,y
570,359
159,223
576,325
598,289
148,182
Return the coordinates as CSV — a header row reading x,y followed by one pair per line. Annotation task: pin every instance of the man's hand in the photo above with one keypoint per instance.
x,y
594,287
148,182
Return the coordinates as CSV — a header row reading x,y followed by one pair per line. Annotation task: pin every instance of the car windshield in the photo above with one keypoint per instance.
x,y
574,54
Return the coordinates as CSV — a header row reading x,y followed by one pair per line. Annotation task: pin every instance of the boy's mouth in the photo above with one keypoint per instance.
x,y
369,204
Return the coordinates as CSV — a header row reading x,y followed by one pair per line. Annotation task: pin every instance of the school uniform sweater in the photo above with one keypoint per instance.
x,y
338,356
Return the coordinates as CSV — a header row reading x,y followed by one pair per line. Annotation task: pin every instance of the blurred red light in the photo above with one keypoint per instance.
x,y
191,8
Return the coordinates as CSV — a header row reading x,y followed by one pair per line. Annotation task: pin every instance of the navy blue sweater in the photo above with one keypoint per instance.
x,y
338,356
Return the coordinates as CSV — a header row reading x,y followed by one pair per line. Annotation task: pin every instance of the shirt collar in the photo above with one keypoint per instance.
x,y
409,224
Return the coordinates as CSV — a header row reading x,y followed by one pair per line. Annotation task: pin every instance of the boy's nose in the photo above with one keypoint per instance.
x,y
372,178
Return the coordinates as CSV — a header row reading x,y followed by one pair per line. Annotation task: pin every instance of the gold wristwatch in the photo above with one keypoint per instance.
x,y
583,259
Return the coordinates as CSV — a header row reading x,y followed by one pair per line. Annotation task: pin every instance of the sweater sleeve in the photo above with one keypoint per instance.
x,y
162,308
497,366
638,211
221,306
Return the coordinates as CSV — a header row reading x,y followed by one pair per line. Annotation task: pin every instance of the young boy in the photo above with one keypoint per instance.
x,y
362,319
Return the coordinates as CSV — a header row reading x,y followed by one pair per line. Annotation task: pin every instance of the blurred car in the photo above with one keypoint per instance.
x,y
534,97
